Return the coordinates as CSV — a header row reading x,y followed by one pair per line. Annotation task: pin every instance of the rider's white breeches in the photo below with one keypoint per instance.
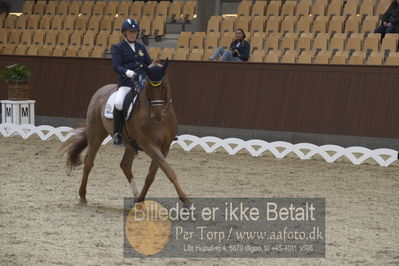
x,y
120,97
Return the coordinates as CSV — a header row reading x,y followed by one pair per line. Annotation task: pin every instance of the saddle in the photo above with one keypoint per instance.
x,y
128,105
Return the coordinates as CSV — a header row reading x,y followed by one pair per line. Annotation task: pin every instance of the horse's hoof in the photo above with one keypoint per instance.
x,y
83,202
136,201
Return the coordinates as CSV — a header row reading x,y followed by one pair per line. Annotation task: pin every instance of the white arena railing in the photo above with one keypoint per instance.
x,y
255,148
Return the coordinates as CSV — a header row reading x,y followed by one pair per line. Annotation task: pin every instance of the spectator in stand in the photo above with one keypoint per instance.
x,y
390,20
238,51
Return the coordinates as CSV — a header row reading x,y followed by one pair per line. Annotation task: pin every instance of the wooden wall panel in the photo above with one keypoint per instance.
x,y
62,86
326,99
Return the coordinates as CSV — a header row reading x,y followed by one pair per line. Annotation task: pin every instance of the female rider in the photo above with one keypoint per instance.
x,y
128,56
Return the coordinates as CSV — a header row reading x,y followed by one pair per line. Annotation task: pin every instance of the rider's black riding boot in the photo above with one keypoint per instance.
x,y
118,120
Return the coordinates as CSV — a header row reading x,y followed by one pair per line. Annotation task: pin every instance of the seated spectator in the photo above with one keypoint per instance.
x,y
238,51
390,20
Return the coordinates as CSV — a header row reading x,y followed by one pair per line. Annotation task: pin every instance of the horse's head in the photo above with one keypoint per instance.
x,y
157,89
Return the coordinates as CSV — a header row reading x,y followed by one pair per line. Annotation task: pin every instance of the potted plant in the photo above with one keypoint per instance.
x,y
16,76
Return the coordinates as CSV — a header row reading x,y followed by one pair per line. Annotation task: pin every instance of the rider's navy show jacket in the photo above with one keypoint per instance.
x,y
124,58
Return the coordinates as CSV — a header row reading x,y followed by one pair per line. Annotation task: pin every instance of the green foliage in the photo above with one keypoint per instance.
x,y
16,72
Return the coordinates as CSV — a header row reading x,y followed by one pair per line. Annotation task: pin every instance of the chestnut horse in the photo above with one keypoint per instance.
x,y
153,125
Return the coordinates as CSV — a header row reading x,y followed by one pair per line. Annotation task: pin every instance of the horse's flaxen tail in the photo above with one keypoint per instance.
x,y
74,146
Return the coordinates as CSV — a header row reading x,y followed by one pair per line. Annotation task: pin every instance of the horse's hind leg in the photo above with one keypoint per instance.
x,y
126,165
93,146
148,180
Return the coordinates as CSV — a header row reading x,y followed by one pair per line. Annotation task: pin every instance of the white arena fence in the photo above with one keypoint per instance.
x,y
256,148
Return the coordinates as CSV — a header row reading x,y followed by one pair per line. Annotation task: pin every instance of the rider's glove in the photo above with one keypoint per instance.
x,y
129,73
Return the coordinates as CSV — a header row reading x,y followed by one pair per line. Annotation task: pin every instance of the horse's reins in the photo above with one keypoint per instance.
x,y
124,124
156,103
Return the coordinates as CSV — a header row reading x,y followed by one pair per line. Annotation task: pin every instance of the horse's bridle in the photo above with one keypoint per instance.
x,y
159,103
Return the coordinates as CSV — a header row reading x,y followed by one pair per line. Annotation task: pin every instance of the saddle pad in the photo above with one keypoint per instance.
x,y
109,107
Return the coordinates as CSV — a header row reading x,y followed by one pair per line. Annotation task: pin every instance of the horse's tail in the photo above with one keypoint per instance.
x,y
74,146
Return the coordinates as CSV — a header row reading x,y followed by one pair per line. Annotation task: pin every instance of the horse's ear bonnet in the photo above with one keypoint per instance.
x,y
165,65
157,73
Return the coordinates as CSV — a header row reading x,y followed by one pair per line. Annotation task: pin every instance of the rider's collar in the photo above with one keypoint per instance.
x,y
130,43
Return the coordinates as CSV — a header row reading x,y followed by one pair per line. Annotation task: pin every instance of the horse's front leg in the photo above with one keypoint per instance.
x,y
159,159
148,181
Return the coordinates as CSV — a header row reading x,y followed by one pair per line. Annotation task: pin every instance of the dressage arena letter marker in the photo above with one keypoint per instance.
x,y
8,111
25,111
18,112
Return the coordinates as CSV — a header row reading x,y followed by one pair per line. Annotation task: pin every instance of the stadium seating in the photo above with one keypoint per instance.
x,y
305,41
273,8
303,8
375,58
258,56
68,8
273,56
305,57
355,42
393,59
85,23
291,31
167,53
58,51
258,9
322,57
154,52
372,42
33,50
289,56
335,31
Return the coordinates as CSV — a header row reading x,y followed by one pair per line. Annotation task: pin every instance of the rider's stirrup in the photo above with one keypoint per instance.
x,y
118,139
